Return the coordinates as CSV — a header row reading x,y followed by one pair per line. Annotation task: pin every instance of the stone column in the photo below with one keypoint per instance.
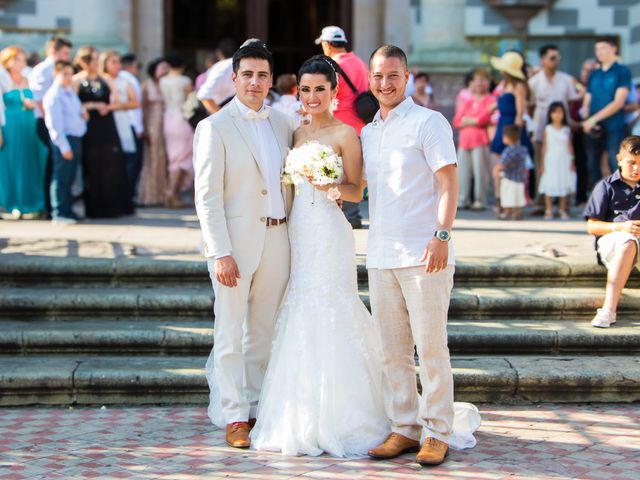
x,y
440,48
101,23
149,30
368,29
398,23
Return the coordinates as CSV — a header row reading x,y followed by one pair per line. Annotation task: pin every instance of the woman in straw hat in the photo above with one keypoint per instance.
x,y
512,103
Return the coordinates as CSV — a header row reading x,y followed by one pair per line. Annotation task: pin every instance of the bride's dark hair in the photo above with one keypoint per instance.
x,y
322,65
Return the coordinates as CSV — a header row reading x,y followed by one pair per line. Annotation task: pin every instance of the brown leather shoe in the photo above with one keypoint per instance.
x,y
394,446
433,452
238,434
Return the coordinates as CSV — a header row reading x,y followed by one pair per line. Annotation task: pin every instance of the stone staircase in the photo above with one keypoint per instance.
x,y
131,331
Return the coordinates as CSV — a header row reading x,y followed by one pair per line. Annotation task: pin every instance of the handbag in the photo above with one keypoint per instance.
x,y
366,103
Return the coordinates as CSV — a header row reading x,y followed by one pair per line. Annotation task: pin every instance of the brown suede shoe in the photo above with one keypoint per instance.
x,y
238,434
394,446
433,452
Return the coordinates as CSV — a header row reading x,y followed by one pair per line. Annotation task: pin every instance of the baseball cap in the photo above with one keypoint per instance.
x,y
331,34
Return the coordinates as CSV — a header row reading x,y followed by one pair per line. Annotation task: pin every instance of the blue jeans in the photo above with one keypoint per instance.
x,y
64,173
608,142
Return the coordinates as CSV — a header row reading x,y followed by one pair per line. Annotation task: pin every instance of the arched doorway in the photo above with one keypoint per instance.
x,y
289,27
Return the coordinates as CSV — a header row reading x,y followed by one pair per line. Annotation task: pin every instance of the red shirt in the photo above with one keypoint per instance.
x,y
473,136
358,73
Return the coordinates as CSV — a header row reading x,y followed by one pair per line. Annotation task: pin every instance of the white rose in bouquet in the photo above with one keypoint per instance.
x,y
315,161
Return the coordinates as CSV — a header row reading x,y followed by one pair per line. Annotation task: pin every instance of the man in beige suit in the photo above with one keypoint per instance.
x,y
242,207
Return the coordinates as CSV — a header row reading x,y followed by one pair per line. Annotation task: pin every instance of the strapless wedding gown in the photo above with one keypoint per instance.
x,y
323,388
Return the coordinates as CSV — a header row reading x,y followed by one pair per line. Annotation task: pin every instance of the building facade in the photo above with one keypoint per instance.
x,y
443,37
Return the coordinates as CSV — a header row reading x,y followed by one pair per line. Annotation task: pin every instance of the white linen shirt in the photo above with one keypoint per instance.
x,y
135,115
401,155
40,80
270,160
218,85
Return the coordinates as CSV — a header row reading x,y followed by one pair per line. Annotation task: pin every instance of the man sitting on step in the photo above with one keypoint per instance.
x,y
613,214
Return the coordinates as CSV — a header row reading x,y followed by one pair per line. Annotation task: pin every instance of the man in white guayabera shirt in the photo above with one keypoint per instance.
x,y
410,164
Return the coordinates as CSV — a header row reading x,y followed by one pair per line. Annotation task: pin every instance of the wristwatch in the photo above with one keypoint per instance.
x,y
443,235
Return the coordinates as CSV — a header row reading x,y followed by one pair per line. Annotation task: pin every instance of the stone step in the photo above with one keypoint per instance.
x,y
166,380
122,302
523,270
466,302
178,337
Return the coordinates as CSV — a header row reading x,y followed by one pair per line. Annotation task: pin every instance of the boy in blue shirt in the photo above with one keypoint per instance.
x,y
613,215
66,121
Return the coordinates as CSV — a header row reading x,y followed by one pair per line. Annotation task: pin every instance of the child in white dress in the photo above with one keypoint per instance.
x,y
558,169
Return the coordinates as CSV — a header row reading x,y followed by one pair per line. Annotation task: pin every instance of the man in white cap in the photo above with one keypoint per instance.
x,y
334,45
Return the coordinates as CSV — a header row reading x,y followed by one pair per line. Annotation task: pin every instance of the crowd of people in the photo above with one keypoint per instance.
x,y
570,130
90,129
128,142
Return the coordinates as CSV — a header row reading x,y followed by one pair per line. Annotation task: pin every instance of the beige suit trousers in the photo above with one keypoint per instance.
x,y
410,307
244,322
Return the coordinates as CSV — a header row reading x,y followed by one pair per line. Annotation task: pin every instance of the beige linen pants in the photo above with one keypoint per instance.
x,y
410,307
244,322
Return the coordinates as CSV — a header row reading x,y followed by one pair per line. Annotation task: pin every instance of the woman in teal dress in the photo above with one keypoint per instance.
x,y
22,154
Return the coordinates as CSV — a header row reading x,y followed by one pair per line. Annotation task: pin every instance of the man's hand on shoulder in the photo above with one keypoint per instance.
x,y
226,271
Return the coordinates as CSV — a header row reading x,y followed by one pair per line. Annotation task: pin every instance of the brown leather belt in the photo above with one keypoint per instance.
x,y
275,221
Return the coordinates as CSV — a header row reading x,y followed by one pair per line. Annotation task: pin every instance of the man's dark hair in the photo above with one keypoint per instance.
x,y
285,83
128,59
512,132
420,75
175,60
59,43
61,65
389,51
255,49
545,49
338,44
613,41
227,47
631,144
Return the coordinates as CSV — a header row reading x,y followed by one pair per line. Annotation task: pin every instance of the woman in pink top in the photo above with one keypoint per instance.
x,y
472,118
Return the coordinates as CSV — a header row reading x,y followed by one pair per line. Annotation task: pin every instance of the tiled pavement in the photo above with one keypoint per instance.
x,y
515,442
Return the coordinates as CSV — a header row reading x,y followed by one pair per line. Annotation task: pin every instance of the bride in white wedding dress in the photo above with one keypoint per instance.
x,y
323,388
322,391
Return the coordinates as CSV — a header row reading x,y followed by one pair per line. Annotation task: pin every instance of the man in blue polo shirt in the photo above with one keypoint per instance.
x,y
604,101
613,214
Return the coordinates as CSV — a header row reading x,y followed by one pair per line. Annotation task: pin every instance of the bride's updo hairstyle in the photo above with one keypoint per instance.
x,y
321,65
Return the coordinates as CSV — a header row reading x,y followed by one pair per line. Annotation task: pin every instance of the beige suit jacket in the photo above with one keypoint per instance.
x,y
230,189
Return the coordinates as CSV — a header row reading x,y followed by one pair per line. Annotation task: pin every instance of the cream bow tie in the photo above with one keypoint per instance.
x,y
253,115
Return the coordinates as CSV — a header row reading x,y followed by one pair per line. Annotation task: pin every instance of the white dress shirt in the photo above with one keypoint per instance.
x,y
218,86
40,80
270,160
401,155
136,114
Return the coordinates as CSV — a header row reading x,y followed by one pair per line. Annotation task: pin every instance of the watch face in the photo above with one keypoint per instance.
x,y
443,235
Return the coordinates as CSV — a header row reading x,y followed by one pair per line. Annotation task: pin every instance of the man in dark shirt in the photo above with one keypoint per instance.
x,y
604,102
613,214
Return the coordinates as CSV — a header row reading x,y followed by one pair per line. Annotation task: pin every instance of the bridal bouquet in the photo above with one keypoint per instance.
x,y
318,162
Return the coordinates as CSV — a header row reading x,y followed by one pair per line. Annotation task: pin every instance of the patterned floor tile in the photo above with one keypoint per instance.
x,y
590,442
